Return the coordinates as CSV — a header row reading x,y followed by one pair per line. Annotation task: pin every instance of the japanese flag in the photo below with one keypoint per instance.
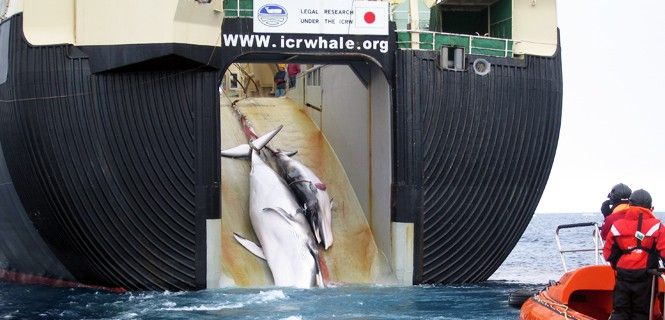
x,y
370,17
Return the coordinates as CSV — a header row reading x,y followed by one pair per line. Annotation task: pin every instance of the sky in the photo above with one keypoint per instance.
x,y
613,123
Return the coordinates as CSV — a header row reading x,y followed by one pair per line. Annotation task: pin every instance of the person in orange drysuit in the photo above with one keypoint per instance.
x,y
635,244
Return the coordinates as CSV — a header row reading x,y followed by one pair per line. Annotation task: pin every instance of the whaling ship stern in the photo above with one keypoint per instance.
x,y
110,129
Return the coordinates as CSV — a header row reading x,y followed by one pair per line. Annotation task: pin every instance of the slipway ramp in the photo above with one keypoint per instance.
x,y
353,257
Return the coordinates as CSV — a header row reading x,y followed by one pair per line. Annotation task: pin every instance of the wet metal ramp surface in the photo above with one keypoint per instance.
x,y
353,257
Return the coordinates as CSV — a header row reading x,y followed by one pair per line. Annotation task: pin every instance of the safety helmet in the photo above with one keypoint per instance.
x,y
619,192
640,198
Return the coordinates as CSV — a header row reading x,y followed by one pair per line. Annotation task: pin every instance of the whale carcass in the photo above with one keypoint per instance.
x,y
286,240
311,193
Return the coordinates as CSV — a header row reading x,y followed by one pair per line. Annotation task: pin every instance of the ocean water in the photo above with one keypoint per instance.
x,y
532,263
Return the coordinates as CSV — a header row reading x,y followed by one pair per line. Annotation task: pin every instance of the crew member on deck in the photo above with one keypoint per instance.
x,y
614,207
635,244
280,81
293,69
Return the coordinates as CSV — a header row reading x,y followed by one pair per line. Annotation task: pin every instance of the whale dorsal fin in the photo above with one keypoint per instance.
x,y
250,246
290,153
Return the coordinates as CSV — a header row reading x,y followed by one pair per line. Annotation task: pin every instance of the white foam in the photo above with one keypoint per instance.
x,y
259,298
267,296
293,318
206,307
140,296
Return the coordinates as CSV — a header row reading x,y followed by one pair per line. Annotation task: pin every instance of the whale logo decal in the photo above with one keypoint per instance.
x,y
272,15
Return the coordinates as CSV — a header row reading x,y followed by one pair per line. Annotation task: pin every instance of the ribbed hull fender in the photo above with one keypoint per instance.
x,y
21,247
473,154
118,171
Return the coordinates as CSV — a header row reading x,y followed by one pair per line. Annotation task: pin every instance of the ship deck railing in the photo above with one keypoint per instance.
x,y
472,44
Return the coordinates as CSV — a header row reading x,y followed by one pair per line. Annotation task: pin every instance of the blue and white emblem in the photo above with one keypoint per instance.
x,y
272,15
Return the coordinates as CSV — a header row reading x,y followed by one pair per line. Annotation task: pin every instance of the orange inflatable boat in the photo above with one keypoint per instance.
x,y
583,293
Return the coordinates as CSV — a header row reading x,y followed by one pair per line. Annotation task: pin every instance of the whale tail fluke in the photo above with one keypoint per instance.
x,y
240,151
245,150
260,142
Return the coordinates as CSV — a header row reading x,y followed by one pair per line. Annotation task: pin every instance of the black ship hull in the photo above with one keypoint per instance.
x,y
472,157
112,173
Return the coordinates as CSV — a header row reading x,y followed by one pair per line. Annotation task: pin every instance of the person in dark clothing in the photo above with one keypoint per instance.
x,y
280,82
293,69
614,208
635,244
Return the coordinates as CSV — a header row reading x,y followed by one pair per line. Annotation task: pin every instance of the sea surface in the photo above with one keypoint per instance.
x,y
534,261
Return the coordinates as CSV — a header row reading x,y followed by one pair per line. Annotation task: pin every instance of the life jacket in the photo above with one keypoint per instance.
x,y
634,240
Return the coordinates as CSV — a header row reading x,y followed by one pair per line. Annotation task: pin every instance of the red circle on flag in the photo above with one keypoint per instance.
x,y
369,17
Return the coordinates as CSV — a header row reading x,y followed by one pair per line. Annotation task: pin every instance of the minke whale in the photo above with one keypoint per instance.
x,y
311,193
286,240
